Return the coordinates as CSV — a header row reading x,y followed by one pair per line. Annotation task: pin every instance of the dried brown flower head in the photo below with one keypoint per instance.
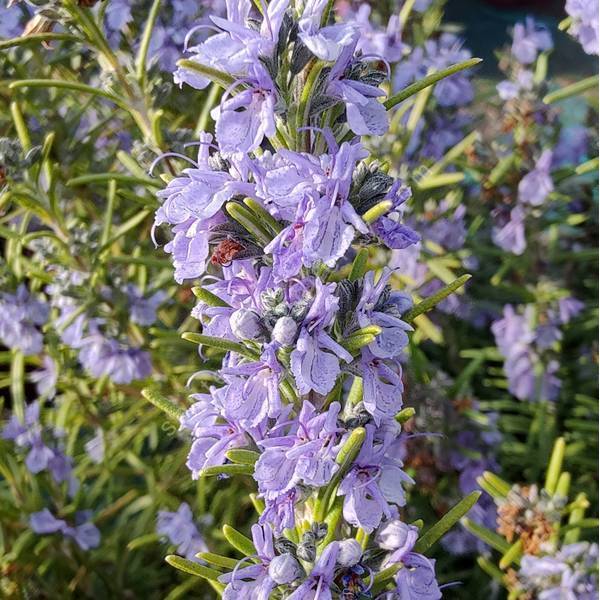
x,y
521,516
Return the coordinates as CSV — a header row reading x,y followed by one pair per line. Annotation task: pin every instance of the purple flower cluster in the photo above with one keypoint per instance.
x,y
416,578
103,356
179,528
84,532
570,573
316,200
337,561
271,207
168,35
584,23
44,451
384,42
534,188
526,339
100,353
21,316
339,566
296,323
439,54
529,40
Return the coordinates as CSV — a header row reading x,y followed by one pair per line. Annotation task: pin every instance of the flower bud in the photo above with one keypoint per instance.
x,y
283,546
307,551
350,553
285,569
319,530
285,330
398,536
245,324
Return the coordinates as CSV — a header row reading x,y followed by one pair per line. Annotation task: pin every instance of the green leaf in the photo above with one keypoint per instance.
x,y
572,90
380,209
17,384
32,204
143,540
384,576
583,524
125,227
306,96
170,409
563,485
107,177
266,220
512,555
242,457
499,172
491,569
108,213
405,415
344,459
249,222
332,520
405,12
417,110
462,381
227,470
359,265
208,297
68,85
416,87
555,465
356,392
432,535
491,538
219,343
35,38
355,343
431,301
239,541
8,234
587,166
490,489
218,560
503,487
258,503
191,567
20,126
219,77
436,181
575,518
131,164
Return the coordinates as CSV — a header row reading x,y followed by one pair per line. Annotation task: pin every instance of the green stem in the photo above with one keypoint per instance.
x,y
34,38
17,384
409,91
142,57
108,215
303,114
209,102
68,85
